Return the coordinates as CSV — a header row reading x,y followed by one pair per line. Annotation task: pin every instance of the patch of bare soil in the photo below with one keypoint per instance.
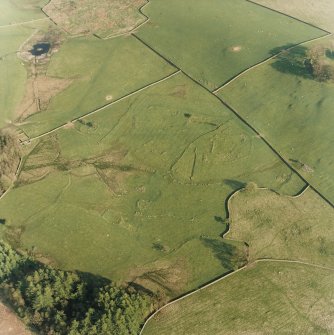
x,y
236,48
10,324
79,17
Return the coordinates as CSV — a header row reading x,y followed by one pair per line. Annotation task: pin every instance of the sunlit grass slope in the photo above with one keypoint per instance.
x,y
267,298
100,71
274,226
316,12
293,111
213,40
121,194
17,11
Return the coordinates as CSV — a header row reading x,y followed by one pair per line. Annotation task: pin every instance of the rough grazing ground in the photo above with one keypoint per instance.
x,y
225,37
295,105
265,299
274,226
103,17
316,12
10,324
111,181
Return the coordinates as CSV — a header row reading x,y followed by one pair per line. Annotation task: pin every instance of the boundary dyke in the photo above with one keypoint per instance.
x,y
267,60
241,119
233,272
288,15
102,107
261,260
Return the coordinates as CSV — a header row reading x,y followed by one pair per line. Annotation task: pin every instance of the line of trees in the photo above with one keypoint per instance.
x,y
55,302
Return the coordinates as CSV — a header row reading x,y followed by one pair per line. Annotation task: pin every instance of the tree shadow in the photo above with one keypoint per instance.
x,y
224,252
235,184
2,221
330,54
294,62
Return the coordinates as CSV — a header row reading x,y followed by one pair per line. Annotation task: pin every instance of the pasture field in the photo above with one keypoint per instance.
x,y
103,17
225,37
17,11
316,12
99,72
296,105
265,298
299,228
115,194
12,69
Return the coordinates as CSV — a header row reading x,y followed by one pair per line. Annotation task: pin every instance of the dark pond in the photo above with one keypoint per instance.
x,y
40,49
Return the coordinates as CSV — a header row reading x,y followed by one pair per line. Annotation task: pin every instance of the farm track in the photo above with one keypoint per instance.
x,y
22,23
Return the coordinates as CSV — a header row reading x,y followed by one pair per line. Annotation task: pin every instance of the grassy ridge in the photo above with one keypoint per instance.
x,y
225,37
268,298
296,104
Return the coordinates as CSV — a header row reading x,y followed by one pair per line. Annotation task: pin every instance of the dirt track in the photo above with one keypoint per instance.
x,y
10,324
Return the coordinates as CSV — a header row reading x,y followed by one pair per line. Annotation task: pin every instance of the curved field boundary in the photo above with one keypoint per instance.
x,y
101,108
234,111
229,211
146,19
267,60
226,276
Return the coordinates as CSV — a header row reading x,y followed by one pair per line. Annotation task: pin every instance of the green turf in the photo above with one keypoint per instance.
x,y
268,298
101,71
281,227
17,11
295,105
118,198
213,40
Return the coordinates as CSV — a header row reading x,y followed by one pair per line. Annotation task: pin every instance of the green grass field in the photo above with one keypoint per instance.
x,y
296,105
129,171
100,72
12,69
299,228
267,298
315,12
17,11
225,37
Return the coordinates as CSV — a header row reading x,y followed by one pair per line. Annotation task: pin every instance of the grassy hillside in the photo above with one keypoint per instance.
x,y
99,72
126,177
316,12
267,298
298,105
299,228
16,11
225,37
